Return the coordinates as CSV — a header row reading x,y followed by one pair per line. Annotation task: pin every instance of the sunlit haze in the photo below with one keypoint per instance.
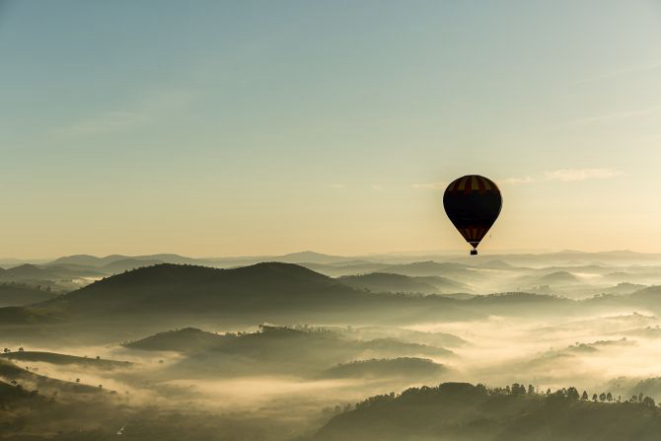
x,y
216,128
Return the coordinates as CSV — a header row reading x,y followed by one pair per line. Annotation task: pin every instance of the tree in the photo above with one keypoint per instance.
x,y
21,349
572,394
649,402
594,397
585,397
6,350
602,397
77,380
531,389
518,389
609,397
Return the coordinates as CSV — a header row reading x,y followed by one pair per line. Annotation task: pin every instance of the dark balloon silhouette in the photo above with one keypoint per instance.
x,y
473,204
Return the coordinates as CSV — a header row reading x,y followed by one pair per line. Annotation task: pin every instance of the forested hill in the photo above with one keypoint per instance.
x,y
257,293
15,294
463,412
272,292
186,288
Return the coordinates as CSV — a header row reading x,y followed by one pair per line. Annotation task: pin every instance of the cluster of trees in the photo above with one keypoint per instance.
x,y
572,393
516,389
7,350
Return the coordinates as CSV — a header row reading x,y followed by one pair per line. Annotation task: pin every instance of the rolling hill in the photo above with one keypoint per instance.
x,y
429,268
182,288
10,372
298,351
345,269
21,295
387,368
128,264
624,288
384,282
258,293
25,272
64,359
559,278
172,296
180,340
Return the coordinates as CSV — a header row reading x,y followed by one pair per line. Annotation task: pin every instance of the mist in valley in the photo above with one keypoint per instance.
x,y
240,352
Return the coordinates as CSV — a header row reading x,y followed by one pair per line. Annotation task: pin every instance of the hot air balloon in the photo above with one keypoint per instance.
x,y
473,204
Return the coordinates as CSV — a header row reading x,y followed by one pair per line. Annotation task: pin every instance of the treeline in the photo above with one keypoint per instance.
x,y
466,412
516,389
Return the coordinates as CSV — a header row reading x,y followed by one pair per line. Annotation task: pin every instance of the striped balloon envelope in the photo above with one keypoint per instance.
x,y
473,204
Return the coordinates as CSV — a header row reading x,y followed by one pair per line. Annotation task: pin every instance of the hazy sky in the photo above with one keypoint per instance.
x,y
215,128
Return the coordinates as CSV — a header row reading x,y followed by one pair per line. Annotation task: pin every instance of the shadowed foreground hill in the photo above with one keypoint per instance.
x,y
463,412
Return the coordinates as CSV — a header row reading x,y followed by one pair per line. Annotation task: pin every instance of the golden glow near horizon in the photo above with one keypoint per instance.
x,y
234,130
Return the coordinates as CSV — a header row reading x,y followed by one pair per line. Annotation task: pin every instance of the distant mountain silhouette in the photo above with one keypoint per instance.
x,y
128,264
308,257
24,272
37,273
84,260
87,260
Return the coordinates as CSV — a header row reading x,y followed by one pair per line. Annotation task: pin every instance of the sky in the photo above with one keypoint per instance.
x,y
216,128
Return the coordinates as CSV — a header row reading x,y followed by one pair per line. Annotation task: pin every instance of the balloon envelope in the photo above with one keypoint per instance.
x,y
473,204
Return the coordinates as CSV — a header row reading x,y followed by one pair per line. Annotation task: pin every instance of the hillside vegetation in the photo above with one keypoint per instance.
x,y
463,412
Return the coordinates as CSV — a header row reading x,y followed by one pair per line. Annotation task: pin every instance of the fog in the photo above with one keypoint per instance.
x,y
297,379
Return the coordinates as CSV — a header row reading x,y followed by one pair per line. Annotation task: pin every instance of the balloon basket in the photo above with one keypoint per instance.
x,y
473,252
